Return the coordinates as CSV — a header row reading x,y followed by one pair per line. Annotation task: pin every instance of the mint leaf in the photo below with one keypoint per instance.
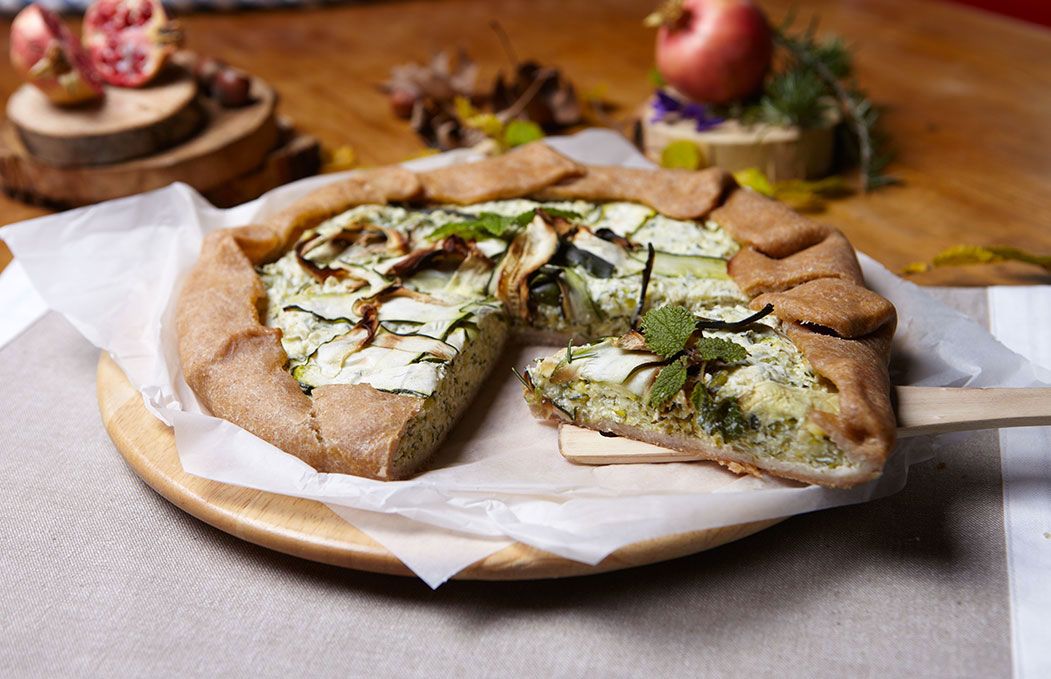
x,y
718,349
670,380
667,329
486,225
522,219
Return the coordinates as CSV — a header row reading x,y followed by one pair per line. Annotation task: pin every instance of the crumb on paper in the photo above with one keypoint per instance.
x,y
741,469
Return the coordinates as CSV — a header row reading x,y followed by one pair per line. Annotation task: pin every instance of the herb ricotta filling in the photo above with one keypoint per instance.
x,y
390,295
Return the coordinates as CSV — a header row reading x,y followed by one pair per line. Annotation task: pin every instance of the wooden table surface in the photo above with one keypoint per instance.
x,y
968,97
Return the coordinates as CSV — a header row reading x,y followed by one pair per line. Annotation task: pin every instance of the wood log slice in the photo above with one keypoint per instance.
x,y
125,124
233,142
780,152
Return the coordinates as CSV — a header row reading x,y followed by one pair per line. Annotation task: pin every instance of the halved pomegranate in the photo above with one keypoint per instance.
x,y
130,41
45,53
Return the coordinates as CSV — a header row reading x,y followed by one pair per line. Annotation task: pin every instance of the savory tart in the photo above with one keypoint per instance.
x,y
353,328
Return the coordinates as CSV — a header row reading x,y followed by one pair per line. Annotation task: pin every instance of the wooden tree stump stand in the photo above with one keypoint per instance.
x,y
140,140
125,124
780,152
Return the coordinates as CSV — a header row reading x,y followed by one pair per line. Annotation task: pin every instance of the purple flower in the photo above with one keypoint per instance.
x,y
664,105
667,107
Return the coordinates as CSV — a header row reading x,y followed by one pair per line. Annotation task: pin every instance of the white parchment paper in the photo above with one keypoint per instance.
x,y
114,270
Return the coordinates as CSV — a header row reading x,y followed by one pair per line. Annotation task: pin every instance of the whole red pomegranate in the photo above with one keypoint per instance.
x,y
130,41
713,51
45,53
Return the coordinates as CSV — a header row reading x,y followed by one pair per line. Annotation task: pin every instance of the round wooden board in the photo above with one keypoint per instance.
x,y
310,530
233,142
125,124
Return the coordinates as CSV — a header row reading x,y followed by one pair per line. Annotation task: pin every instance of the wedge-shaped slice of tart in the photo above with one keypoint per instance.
x,y
354,327
732,387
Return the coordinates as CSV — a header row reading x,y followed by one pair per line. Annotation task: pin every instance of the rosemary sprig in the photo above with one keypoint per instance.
x,y
521,378
830,63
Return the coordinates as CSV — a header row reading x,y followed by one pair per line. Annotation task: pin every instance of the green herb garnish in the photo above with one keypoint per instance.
x,y
669,381
559,212
718,349
525,383
486,225
667,329
795,97
830,62
816,78
570,356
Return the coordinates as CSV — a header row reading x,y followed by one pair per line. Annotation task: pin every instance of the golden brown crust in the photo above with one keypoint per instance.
x,y
365,445
678,194
834,257
515,174
844,307
236,365
230,359
381,185
257,241
770,227
734,460
865,426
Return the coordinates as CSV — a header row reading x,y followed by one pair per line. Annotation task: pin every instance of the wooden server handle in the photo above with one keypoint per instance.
x,y
920,410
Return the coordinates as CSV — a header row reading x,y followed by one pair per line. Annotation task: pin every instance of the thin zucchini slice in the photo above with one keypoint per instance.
x,y
697,266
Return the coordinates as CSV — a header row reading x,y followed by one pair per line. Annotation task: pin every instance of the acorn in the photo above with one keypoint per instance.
x,y
231,87
401,103
205,71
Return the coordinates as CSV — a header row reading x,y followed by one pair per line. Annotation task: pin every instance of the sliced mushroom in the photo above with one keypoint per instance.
x,y
615,238
471,278
562,226
633,341
448,253
335,353
530,250
317,253
577,306
319,272
607,257
417,344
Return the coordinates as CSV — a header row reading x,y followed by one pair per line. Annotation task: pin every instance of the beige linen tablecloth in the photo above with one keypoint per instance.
x,y
102,577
